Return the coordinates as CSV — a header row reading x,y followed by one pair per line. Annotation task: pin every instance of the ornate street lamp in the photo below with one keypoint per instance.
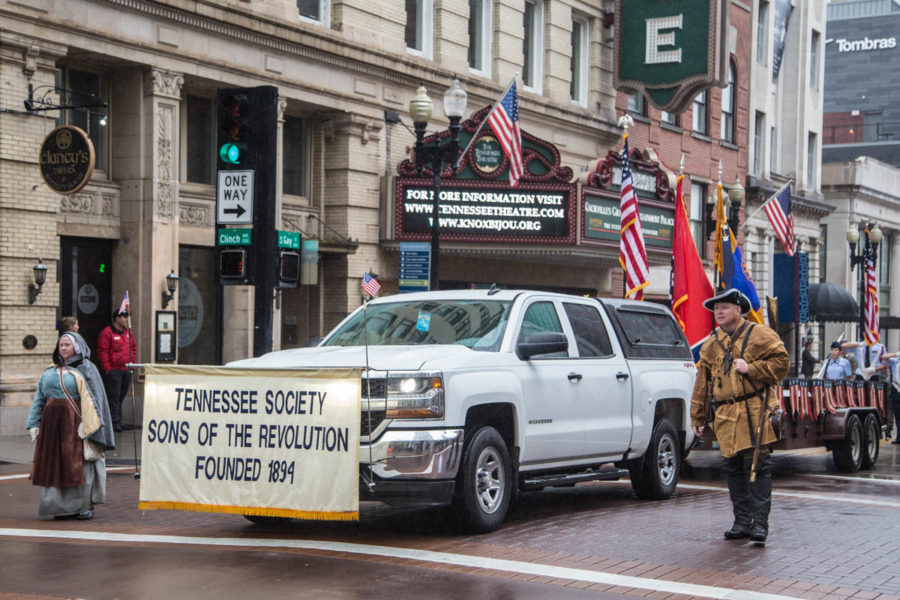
x,y
435,156
859,256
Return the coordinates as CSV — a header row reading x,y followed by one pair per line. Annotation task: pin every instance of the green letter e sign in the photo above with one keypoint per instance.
x,y
671,51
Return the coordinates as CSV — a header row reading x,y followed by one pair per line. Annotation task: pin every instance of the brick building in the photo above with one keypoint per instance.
x,y
340,67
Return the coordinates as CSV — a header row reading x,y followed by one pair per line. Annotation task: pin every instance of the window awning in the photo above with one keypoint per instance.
x,y
829,302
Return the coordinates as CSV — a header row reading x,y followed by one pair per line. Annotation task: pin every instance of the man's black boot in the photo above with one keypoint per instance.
x,y
740,498
761,498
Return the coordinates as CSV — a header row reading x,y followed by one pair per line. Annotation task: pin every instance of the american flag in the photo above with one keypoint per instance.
x,y
504,120
632,255
370,285
872,336
778,209
125,304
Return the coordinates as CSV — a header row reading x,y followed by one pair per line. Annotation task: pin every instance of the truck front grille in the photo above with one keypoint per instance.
x,y
377,387
369,422
371,419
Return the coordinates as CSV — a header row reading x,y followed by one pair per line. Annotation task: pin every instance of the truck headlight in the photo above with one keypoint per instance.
x,y
415,395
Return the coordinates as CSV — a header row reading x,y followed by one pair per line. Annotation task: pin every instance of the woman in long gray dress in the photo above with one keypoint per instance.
x,y
62,413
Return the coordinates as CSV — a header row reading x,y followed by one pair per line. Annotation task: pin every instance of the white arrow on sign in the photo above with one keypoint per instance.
x,y
234,197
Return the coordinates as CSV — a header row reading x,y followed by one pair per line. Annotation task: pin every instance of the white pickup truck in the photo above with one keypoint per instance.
x,y
469,396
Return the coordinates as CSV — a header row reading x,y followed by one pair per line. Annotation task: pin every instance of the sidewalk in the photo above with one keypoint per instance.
x,y
19,449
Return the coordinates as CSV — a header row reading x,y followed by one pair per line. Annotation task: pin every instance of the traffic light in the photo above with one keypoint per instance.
x,y
234,267
235,132
248,124
288,268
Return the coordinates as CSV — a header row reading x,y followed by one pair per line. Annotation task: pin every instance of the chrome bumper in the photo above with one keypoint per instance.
x,y
423,454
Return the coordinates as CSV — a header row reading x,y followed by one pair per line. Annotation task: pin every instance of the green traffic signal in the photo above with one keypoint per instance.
x,y
230,154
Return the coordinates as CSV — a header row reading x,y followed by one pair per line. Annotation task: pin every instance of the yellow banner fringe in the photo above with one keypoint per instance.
x,y
309,515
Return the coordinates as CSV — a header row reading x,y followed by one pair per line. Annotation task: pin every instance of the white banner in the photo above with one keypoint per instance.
x,y
267,442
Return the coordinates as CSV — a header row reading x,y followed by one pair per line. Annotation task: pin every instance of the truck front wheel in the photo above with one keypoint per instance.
x,y
483,485
655,475
848,452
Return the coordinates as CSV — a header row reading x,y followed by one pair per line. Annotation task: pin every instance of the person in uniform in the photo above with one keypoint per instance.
x,y
877,366
741,366
837,367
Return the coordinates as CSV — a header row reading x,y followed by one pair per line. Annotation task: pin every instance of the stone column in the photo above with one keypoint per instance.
x,y
353,164
892,341
147,140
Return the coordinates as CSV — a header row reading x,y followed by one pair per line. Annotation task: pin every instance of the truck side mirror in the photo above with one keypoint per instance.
x,y
542,342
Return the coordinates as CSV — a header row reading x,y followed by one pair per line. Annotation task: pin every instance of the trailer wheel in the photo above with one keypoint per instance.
x,y
655,475
848,452
484,485
871,440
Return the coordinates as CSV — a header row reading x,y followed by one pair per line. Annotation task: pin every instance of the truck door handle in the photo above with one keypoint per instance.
x,y
621,376
574,376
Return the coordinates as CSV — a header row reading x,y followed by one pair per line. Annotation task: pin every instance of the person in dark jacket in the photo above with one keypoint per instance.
x,y
809,361
116,347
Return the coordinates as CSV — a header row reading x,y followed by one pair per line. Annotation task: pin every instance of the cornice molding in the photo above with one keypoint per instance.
x,y
406,71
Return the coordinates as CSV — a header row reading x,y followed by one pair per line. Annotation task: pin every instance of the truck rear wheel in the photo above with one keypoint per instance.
x,y
871,441
848,452
484,484
655,475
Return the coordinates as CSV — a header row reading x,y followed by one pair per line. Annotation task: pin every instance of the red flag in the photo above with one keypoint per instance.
x,y
632,255
690,285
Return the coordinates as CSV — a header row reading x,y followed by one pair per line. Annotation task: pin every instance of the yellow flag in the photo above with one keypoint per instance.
x,y
720,222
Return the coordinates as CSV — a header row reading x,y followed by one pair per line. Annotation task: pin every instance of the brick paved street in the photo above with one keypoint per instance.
x,y
831,537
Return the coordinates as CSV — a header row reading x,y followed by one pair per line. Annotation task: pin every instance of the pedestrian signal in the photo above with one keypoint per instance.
x,y
288,268
233,267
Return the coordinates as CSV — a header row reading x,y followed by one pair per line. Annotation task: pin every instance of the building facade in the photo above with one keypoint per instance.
x,y
149,207
784,136
861,151
711,138
140,78
861,50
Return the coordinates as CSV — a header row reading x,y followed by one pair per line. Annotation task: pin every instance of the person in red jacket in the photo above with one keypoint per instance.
x,y
116,348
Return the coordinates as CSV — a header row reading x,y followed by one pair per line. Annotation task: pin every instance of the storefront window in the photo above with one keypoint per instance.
x,y
294,161
201,140
316,11
419,27
199,302
86,88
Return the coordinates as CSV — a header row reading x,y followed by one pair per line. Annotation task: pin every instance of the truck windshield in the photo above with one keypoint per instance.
x,y
476,324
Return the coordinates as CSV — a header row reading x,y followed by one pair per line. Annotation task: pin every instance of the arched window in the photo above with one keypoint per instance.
x,y
729,95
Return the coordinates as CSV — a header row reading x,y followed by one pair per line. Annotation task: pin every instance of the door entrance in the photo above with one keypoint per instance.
x,y
86,285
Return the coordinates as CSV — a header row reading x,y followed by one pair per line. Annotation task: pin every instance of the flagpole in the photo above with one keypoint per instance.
x,y
719,265
624,122
757,211
678,198
797,351
483,121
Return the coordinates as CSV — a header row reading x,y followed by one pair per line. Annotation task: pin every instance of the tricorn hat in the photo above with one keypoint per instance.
x,y
734,296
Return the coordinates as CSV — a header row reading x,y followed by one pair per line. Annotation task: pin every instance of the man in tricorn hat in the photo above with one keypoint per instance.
x,y
740,369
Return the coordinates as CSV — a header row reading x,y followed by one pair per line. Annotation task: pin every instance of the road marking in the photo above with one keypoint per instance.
x,y
803,495
446,558
880,478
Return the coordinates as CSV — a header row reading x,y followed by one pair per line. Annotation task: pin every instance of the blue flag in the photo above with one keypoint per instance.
x,y
736,274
